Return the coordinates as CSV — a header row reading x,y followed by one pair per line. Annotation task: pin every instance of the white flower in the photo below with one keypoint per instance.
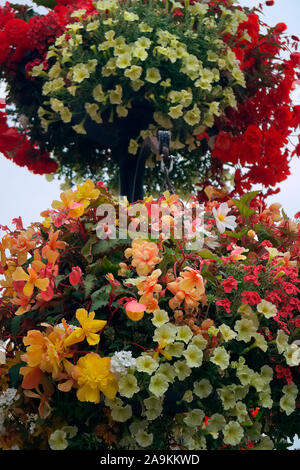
x,y
160,317
220,358
184,333
128,386
227,333
182,370
265,399
222,220
146,363
260,342
233,433
193,356
281,341
143,438
227,396
267,309
194,418
121,361
199,341
203,388
165,334
287,404
216,423
175,349
168,371
8,397
121,413
292,355
57,440
158,385
246,330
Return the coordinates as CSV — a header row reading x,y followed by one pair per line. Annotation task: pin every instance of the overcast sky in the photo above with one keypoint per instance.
x,y
25,194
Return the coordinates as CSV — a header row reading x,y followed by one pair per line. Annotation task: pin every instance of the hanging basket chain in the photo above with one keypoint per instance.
x,y
167,160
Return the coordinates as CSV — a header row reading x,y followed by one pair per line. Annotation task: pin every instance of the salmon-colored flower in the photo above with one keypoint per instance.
x,y
144,256
31,278
50,250
147,287
46,350
88,330
192,280
191,298
92,374
20,245
68,203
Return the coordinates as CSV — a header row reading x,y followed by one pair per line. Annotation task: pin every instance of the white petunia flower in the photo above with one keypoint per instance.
x,y
233,433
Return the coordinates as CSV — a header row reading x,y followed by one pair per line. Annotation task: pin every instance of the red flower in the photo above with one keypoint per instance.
x,y
229,284
250,297
225,303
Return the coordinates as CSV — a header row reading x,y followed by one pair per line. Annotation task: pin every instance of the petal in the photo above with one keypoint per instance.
x,y
42,284
20,275
81,315
75,337
92,338
28,289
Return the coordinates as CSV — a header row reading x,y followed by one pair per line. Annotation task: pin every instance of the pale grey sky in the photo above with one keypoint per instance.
x,y
25,194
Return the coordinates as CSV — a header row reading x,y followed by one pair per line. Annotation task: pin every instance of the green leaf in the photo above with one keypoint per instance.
x,y
108,267
244,210
100,297
105,246
237,234
89,283
207,254
247,198
15,324
14,374
244,203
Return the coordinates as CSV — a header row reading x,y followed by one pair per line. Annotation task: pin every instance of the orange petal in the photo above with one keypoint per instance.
x,y
32,377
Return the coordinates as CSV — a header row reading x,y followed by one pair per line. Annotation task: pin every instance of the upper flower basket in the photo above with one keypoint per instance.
x,y
92,80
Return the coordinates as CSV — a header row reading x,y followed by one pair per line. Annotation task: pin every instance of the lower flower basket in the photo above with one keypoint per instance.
x,y
126,332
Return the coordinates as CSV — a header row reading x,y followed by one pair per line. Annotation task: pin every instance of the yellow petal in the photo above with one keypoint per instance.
x,y
20,275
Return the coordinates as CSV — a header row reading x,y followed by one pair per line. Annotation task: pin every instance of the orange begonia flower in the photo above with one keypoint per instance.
x,y
32,279
50,250
191,299
46,350
88,330
144,256
192,280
